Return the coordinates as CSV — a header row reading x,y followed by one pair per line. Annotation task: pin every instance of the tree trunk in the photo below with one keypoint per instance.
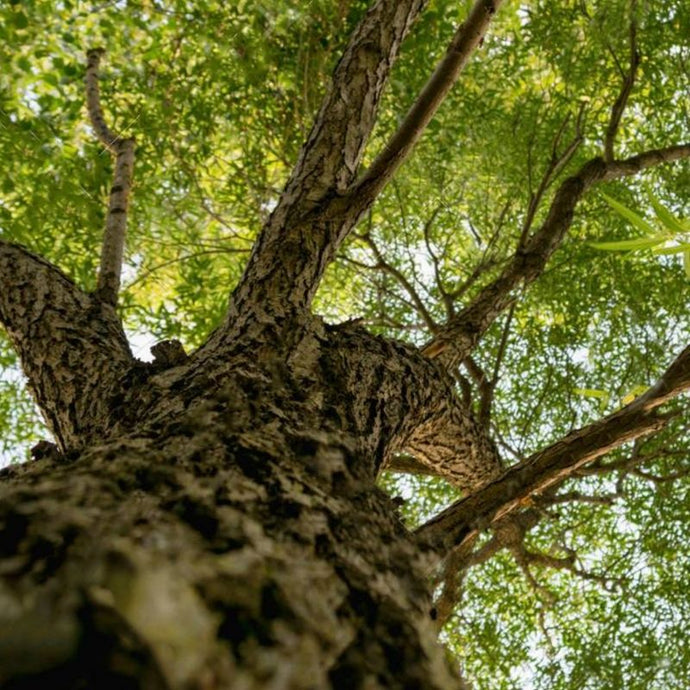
x,y
213,521
234,539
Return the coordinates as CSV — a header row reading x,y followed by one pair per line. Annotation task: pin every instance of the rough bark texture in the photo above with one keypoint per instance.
x,y
223,528
72,346
213,521
236,545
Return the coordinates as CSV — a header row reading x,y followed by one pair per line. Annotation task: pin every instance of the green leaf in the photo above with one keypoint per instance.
x,y
20,20
640,223
24,64
670,222
632,394
592,393
686,262
629,245
677,249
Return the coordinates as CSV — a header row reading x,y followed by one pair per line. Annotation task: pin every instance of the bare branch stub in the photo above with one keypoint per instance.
x,y
112,249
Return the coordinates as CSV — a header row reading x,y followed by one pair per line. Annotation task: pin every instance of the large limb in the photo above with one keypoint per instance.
x,y
322,200
326,167
71,345
519,484
468,36
454,342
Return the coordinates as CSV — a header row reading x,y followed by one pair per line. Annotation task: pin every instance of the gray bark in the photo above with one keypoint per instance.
x,y
213,521
238,543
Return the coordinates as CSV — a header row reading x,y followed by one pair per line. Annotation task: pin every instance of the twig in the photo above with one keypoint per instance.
x,y
179,259
460,335
557,162
112,250
383,265
628,82
447,300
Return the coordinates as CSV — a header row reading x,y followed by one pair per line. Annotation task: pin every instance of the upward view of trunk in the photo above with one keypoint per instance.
x,y
223,529
213,520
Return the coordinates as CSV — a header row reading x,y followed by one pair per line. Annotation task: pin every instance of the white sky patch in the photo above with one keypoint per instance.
x,y
141,344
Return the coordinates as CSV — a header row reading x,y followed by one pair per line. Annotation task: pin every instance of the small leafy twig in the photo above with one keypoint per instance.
x,y
628,82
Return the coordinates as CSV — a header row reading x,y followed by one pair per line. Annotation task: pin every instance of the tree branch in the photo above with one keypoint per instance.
x,y
71,345
551,465
557,162
330,158
628,82
468,36
459,336
304,224
112,250
400,278
320,204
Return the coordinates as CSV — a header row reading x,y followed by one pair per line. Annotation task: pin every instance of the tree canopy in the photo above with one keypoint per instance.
x,y
592,588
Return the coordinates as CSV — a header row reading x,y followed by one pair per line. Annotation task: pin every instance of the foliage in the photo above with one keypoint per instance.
x,y
220,97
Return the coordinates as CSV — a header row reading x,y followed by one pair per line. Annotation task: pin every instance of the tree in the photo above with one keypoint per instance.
x,y
213,519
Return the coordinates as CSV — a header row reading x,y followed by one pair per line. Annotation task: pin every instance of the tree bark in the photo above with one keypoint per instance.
x,y
239,544
213,521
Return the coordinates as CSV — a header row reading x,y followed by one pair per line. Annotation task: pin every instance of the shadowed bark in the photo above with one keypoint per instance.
x,y
213,521
72,346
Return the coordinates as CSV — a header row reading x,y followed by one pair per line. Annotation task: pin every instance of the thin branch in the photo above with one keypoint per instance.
x,y
112,250
568,563
401,280
447,301
180,259
93,101
661,479
557,162
485,389
502,346
628,82
558,461
578,497
468,36
487,386
507,534
459,336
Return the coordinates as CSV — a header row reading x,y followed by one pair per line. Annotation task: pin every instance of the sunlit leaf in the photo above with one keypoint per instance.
x,y
640,223
630,245
669,221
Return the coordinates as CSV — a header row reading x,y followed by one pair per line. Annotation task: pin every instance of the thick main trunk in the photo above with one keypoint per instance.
x,y
213,521
212,554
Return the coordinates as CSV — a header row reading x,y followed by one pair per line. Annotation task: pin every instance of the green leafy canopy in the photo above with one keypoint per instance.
x,y
220,97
